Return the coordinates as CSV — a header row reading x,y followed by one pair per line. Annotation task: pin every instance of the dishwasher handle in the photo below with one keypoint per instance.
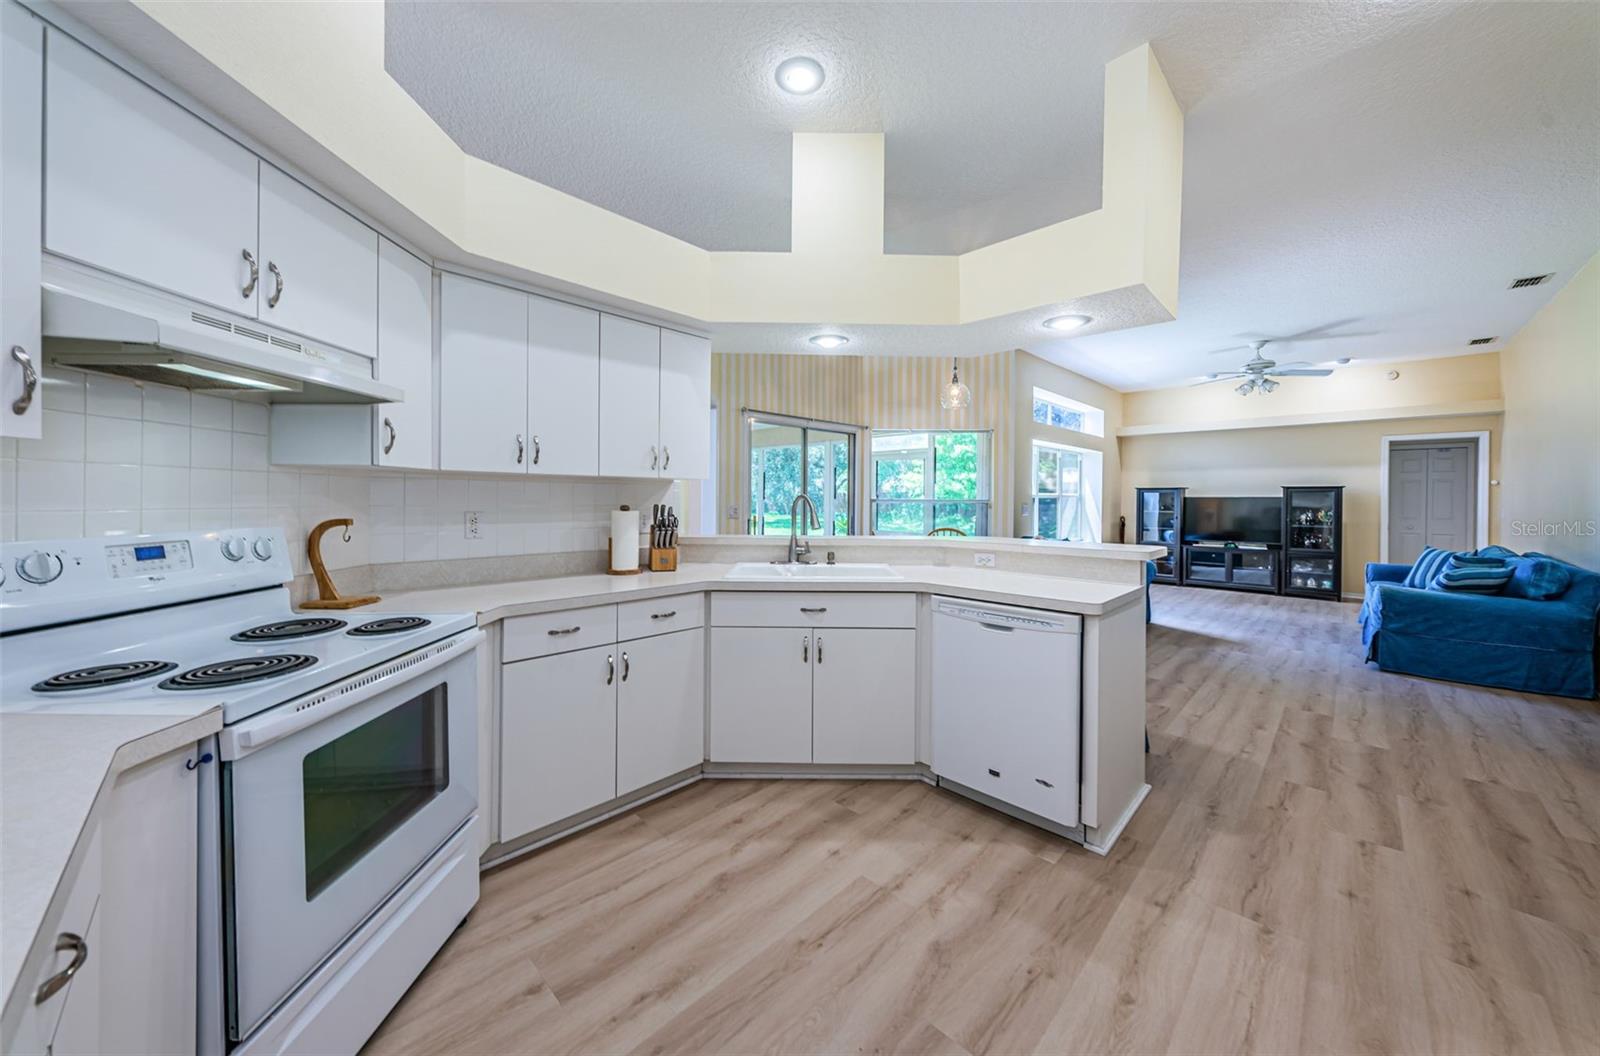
x,y
996,626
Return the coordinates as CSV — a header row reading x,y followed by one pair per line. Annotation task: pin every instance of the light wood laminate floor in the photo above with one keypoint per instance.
x,y
1332,860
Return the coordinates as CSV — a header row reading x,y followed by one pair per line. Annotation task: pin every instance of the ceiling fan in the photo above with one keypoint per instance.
x,y
1259,372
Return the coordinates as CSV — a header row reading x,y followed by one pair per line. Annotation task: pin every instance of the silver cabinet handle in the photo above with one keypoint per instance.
x,y
655,457
387,424
815,611
666,456
520,449
80,953
536,450
805,649
624,667
611,669
664,615
277,292
819,649
559,632
30,380
249,288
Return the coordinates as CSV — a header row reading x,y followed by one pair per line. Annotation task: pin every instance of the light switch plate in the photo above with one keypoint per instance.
x,y
474,525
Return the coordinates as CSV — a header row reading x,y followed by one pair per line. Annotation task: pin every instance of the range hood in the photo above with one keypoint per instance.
x,y
103,323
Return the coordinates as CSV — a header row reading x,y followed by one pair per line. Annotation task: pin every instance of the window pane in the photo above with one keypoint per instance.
x,y
1046,519
956,466
1072,520
774,475
1041,412
963,515
898,518
1047,473
1071,474
899,478
1065,419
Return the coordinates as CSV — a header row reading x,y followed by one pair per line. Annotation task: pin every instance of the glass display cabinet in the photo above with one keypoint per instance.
x,y
1159,522
1313,538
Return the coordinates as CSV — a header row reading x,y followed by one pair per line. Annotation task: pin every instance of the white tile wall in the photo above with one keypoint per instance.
x,y
118,457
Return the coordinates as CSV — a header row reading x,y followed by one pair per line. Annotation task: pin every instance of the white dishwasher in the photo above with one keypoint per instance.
x,y
1006,695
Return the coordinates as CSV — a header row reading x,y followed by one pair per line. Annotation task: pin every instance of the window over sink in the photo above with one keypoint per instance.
x,y
927,479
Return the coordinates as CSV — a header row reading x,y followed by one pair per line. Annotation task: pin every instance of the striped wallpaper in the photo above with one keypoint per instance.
x,y
879,393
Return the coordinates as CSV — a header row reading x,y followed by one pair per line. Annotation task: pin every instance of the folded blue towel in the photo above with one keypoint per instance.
x,y
1477,575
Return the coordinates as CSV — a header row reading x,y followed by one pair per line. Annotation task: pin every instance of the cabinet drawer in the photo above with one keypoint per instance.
x,y
559,632
636,619
818,609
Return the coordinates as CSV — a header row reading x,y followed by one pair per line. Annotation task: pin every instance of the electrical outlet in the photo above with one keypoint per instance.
x,y
983,560
474,525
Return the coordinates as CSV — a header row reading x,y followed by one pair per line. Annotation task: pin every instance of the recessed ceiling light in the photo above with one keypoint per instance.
x,y
800,75
1067,322
830,340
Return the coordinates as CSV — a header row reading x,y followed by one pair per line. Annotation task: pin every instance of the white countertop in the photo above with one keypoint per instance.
x,y
53,771
496,601
998,543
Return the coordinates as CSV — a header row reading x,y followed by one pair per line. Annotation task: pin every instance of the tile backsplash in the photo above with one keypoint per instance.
x,y
118,457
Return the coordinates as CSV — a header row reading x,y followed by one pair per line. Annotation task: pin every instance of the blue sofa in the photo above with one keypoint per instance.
x,y
1543,646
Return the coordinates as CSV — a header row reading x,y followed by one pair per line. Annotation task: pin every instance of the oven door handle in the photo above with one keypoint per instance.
x,y
252,735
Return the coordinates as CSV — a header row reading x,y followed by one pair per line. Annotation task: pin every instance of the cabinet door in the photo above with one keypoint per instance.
x,y
483,376
137,185
81,1029
21,117
405,358
558,738
563,388
685,406
630,398
661,708
760,695
319,266
864,696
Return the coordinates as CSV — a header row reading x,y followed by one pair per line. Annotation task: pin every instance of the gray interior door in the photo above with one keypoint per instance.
x,y
1432,498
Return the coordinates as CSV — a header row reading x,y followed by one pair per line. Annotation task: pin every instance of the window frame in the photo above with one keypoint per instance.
x,y
749,416
1081,523
1093,418
983,505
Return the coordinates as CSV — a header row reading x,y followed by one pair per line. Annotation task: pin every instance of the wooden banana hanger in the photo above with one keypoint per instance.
x,y
328,594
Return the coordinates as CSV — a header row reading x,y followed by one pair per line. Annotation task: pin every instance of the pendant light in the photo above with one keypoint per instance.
x,y
955,396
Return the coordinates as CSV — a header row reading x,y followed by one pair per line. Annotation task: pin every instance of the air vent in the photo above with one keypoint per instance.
x,y
1483,341
293,346
254,335
1530,280
206,320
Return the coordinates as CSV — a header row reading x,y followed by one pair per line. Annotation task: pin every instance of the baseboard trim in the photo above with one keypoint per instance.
x,y
1115,831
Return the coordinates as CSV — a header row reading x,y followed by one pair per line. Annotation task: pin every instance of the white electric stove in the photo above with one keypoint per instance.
x,y
336,844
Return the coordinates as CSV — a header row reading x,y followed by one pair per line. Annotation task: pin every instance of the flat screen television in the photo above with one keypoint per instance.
x,y
1232,520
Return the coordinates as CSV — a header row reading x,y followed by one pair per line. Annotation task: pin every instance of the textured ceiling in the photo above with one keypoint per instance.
x,y
668,113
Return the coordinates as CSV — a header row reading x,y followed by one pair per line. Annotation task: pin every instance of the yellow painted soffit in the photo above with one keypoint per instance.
x,y
320,66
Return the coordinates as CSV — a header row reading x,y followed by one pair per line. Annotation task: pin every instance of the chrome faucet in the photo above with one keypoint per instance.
x,y
801,548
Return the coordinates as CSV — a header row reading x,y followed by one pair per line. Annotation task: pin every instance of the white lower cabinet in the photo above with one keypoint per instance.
x,y
864,696
661,708
760,695
558,737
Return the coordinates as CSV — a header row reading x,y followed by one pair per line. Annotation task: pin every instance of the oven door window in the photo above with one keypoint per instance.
x,y
367,783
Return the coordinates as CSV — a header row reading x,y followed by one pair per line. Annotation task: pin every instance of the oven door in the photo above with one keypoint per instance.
x,y
329,803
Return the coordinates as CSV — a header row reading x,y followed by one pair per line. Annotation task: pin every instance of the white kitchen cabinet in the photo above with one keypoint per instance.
x,y
558,737
483,377
319,266
761,695
137,185
864,696
630,398
685,405
660,708
81,1030
405,358
21,167
563,389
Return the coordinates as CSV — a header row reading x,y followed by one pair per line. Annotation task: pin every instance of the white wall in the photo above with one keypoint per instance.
x,y
119,457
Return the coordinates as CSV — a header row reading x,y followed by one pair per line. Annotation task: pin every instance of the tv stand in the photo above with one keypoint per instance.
x,y
1232,566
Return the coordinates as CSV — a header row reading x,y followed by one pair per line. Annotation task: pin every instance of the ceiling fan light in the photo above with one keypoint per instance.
x,y
1246,388
1268,385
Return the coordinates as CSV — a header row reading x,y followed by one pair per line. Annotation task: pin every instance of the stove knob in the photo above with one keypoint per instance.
x,y
233,549
263,548
39,567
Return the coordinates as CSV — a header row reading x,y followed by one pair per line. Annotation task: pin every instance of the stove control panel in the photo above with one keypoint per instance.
x,y
51,581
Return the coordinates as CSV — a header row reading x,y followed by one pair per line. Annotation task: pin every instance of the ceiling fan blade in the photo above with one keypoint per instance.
x,y
1291,366
1229,376
1230,348
1298,373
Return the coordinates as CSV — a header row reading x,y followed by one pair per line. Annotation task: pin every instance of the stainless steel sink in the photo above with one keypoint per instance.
x,y
759,570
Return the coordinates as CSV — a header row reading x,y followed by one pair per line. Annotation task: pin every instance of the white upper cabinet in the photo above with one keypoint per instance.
x,y
630,394
563,388
21,112
405,358
685,405
483,377
139,186
319,266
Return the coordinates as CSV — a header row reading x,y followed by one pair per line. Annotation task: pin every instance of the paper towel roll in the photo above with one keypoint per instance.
x,y
624,540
